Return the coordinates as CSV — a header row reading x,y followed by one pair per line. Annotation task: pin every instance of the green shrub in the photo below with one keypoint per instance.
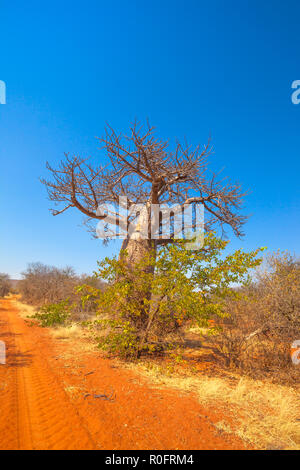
x,y
186,287
53,314
121,339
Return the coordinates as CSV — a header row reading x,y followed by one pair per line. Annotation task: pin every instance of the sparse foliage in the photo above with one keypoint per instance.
x,y
187,286
43,285
53,314
145,170
263,324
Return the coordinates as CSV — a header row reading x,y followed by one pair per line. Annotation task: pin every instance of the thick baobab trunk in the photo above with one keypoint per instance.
x,y
137,252
139,245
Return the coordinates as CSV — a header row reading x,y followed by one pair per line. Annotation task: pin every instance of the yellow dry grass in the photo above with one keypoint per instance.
x,y
266,415
78,337
73,331
62,333
24,310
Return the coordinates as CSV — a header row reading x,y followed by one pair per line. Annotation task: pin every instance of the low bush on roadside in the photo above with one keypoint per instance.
x,y
188,287
43,285
53,314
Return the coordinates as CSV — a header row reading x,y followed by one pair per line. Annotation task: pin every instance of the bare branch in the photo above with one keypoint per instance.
x,y
145,170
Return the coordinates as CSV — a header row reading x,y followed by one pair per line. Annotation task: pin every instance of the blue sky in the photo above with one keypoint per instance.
x,y
194,68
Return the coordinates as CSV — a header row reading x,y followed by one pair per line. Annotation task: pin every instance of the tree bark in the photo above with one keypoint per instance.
x,y
139,245
137,251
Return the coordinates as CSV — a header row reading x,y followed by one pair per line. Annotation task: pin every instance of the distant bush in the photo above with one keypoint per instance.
x,y
187,286
84,310
53,314
257,334
42,285
4,284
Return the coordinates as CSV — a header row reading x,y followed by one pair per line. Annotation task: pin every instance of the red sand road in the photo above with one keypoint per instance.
x,y
48,401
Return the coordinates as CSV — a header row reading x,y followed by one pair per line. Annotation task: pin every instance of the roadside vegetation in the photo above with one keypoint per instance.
x,y
44,285
219,324
188,288
242,312
5,285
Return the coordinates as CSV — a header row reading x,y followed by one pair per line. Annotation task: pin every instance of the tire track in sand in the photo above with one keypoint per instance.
x,y
35,410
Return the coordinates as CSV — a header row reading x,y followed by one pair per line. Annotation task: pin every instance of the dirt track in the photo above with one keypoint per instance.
x,y
36,412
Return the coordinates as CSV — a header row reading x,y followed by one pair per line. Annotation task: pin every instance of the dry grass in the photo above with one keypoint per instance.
x,y
198,330
73,331
82,340
266,415
78,338
24,310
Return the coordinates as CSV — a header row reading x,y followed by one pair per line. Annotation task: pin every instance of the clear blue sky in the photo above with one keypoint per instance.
x,y
194,68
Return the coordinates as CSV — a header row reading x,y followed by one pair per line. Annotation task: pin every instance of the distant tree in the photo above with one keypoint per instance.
x,y
48,285
279,291
43,284
4,284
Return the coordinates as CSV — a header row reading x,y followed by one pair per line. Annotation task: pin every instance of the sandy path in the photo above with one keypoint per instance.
x,y
36,413
37,410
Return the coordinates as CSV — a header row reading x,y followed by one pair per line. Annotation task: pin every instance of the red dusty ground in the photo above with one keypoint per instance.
x,y
50,402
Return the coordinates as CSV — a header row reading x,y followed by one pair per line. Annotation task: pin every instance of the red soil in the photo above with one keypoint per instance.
x,y
48,401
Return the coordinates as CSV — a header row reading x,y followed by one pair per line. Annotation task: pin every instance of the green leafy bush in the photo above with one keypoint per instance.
x,y
53,314
121,338
186,287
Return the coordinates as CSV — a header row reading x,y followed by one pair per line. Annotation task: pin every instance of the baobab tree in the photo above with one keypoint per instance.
x,y
143,169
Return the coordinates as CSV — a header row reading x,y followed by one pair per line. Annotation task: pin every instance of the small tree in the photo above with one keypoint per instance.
x,y
187,286
5,285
